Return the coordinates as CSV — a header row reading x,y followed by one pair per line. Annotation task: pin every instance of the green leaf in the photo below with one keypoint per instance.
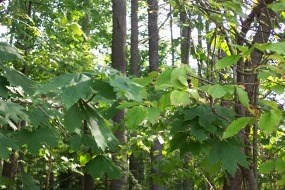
x,y
236,126
8,53
229,153
125,87
100,165
178,77
5,143
277,6
98,133
99,128
11,113
163,80
179,98
227,61
217,91
242,96
38,117
135,116
36,138
17,78
164,101
269,121
153,114
29,182
80,90
267,167
3,89
73,118
76,29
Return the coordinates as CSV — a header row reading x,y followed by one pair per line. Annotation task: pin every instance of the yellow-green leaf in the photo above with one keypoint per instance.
x,y
236,126
269,121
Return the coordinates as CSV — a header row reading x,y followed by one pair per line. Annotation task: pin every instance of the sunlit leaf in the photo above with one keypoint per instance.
x,y
242,96
236,126
179,98
269,121
227,61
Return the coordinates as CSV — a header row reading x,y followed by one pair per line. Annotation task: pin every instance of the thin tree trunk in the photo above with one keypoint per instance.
x,y
185,37
153,34
156,156
135,57
119,63
171,35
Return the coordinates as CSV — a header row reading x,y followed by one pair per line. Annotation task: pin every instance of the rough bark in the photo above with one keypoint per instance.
x,y
185,37
156,156
153,34
9,170
119,63
135,58
261,14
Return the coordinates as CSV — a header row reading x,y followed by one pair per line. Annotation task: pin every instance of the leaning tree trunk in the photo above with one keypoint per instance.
x,y
119,63
153,34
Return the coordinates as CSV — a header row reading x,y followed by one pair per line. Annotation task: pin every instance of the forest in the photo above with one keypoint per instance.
x,y
142,94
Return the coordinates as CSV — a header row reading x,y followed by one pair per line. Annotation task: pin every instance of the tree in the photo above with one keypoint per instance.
x,y
153,35
119,63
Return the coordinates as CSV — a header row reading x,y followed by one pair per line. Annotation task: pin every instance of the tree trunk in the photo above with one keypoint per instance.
x,y
261,14
156,156
153,34
10,169
185,37
135,57
119,63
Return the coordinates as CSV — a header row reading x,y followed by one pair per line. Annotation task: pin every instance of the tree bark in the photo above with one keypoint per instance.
x,y
119,63
261,14
153,34
135,57
185,37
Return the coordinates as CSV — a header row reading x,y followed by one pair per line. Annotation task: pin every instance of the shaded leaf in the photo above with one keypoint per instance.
x,y
100,165
36,138
29,182
73,118
17,78
5,144
3,89
11,113
135,116
229,153
8,53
